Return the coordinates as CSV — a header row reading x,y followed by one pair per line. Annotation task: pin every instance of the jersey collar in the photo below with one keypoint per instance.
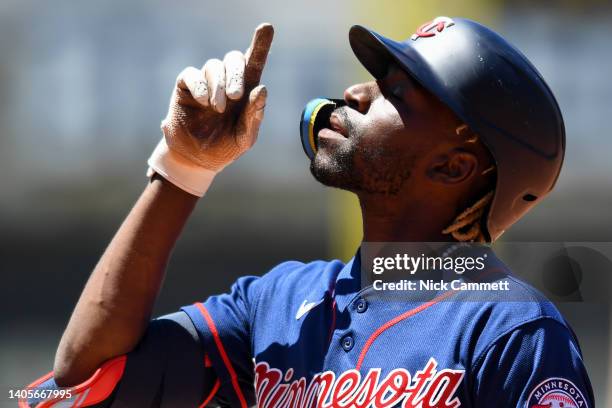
x,y
348,282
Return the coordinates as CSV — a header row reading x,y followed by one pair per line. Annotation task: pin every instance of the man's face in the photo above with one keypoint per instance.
x,y
377,140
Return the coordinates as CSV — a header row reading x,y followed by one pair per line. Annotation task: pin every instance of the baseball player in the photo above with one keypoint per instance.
x,y
454,140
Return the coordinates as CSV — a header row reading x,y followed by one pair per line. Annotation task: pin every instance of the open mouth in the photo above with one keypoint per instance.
x,y
336,125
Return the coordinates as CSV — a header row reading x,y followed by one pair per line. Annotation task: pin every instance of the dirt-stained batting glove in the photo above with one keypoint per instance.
x,y
214,116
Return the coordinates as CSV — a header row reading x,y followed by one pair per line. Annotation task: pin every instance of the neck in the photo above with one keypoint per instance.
x,y
391,219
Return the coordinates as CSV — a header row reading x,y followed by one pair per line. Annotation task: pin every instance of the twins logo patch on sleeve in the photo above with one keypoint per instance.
x,y
556,393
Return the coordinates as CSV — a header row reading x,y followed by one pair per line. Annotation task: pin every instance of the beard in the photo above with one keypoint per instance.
x,y
359,167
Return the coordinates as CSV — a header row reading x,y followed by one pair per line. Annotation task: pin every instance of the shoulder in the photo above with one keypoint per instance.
x,y
504,299
512,311
489,315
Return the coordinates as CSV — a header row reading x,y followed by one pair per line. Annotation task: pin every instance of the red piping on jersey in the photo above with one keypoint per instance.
x,y
224,357
212,394
332,291
396,320
101,384
333,323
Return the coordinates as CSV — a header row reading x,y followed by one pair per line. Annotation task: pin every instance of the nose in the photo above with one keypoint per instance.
x,y
359,97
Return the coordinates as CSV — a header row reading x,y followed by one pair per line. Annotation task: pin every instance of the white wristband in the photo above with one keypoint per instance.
x,y
179,171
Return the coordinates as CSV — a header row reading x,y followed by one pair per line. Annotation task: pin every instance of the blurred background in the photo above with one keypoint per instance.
x,y
84,85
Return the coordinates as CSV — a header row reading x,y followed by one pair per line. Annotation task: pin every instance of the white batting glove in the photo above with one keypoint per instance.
x,y
211,122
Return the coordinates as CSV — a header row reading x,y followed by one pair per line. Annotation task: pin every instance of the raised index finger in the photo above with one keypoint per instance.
x,y
256,55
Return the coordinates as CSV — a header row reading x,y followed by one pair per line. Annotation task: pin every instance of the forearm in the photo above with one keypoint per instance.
x,y
116,303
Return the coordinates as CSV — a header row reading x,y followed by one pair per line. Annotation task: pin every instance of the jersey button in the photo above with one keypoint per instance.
x,y
347,343
361,306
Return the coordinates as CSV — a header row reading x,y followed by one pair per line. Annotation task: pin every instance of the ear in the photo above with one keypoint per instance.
x,y
453,167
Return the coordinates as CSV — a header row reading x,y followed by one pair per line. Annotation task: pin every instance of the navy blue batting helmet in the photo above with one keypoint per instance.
x,y
495,90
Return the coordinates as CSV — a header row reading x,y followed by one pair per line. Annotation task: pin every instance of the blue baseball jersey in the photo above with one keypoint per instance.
x,y
306,335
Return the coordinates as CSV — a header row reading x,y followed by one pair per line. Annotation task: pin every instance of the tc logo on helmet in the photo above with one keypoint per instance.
x,y
433,27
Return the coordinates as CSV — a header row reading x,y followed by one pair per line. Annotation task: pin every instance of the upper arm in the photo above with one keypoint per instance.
x,y
534,365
